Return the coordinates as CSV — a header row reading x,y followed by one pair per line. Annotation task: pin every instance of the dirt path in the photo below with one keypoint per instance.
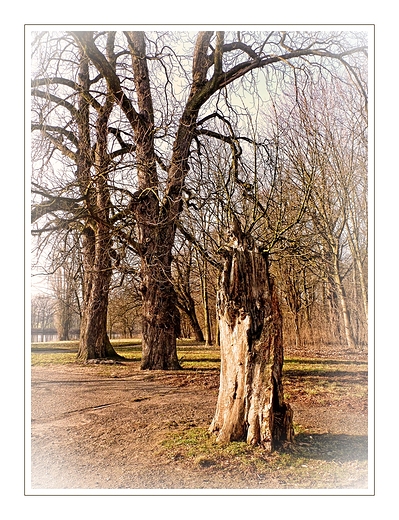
x,y
101,427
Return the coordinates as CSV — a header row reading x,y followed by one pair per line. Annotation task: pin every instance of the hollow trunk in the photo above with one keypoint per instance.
x,y
251,404
94,342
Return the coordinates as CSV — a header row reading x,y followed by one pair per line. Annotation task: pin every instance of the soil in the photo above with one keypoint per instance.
x,y
101,427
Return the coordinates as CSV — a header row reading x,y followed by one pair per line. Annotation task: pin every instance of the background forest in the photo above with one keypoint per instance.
x,y
281,155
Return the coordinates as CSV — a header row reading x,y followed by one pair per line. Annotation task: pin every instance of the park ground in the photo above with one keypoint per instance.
x,y
111,426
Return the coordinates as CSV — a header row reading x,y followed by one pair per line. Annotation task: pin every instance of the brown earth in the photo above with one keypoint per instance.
x,y
101,427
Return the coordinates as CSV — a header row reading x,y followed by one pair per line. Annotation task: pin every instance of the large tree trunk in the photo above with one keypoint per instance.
x,y
94,342
250,405
161,324
160,314
97,269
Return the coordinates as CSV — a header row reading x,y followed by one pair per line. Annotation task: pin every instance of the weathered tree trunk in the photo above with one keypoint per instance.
x,y
250,405
94,342
97,268
160,327
160,314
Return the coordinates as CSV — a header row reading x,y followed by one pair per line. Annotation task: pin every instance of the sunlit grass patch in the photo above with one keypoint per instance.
x,y
131,354
323,380
126,342
315,462
198,356
197,443
58,358
55,345
326,380
192,356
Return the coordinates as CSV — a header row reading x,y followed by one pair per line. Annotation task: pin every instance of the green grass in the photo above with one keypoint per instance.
x,y
313,461
198,444
325,379
313,377
55,345
42,359
190,354
198,357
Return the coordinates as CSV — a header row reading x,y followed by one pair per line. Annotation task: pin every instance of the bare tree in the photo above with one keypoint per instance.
x,y
124,309
42,313
173,97
184,277
266,195
338,206
71,135
216,63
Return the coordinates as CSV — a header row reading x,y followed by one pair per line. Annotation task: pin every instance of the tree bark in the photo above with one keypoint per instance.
x,y
160,322
160,314
97,237
349,335
188,307
94,342
251,404
205,304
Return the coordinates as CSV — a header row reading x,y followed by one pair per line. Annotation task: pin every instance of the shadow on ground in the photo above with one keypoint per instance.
x,y
328,447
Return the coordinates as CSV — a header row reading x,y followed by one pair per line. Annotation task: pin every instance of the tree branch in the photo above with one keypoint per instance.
x,y
204,253
58,129
86,42
56,203
55,99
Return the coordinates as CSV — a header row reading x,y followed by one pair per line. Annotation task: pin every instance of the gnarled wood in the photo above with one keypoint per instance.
x,y
250,405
